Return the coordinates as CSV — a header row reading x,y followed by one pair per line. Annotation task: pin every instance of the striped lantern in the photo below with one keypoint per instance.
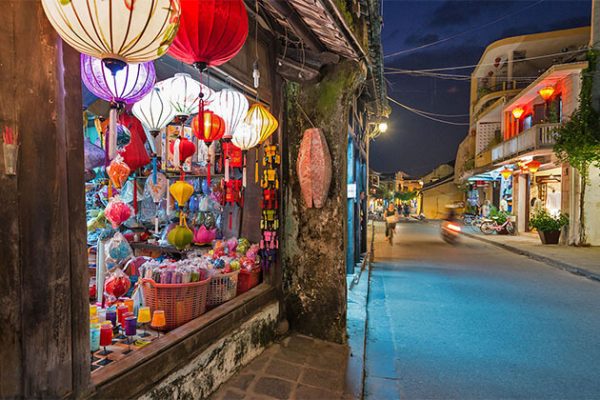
x,y
263,123
245,138
117,32
182,92
232,106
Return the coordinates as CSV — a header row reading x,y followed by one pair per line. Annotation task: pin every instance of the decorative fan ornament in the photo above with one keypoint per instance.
x,y
118,31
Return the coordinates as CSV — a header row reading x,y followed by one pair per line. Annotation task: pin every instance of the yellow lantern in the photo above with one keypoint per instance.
x,y
533,166
517,112
181,191
262,121
546,92
506,173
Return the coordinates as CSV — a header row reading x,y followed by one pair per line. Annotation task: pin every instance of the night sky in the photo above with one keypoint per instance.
x,y
414,144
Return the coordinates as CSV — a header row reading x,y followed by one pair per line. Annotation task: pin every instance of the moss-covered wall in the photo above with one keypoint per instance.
x,y
314,240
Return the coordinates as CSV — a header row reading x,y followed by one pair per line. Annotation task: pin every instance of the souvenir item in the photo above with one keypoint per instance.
x,y
117,284
314,168
118,172
117,211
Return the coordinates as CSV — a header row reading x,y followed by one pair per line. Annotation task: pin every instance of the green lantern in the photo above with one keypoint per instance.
x,y
180,237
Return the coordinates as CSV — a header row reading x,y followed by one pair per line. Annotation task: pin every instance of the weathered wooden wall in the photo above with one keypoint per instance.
x,y
314,240
43,281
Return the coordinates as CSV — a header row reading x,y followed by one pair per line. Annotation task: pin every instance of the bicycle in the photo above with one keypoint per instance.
x,y
490,226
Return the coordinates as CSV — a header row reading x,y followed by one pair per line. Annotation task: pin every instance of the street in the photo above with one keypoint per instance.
x,y
473,321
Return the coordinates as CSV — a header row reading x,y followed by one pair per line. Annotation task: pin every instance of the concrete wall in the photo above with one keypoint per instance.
x,y
441,171
214,366
436,199
592,207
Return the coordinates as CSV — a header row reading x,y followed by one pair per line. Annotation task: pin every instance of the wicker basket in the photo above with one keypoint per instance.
x,y
181,302
248,279
222,288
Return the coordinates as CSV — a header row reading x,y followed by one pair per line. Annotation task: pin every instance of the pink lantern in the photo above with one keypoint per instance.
x,y
117,212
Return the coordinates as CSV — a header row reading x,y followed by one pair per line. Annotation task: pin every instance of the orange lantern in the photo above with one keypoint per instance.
x,y
210,129
517,112
546,92
506,173
533,166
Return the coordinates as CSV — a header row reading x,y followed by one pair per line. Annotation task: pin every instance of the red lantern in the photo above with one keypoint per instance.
x,y
211,32
134,153
212,129
182,149
533,166
134,125
233,153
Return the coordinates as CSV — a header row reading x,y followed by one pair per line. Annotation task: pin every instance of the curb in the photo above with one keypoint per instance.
x,y
546,260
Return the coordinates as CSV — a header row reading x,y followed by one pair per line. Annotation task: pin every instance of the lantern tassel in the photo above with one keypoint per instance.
x,y
208,172
256,167
226,169
176,162
154,169
230,220
244,171
135,202
112,126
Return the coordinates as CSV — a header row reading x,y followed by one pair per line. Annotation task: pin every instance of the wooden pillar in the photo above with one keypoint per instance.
x,y
43,285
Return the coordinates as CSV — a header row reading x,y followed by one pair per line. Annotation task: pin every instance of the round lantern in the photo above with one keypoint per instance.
x,y
211,32
117,32
154,111
262,121
183,93
182,149
506,173
125,86
533,166
546,92
232,106
245,138
212,127
517,112
180,237
181,191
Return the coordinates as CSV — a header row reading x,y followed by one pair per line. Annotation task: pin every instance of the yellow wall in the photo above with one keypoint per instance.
x,y
436,199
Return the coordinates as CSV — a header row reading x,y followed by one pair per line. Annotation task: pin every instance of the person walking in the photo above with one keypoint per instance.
x,y
391,217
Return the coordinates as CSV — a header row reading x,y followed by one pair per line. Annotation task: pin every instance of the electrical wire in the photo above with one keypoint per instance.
x,y
424,114
463,33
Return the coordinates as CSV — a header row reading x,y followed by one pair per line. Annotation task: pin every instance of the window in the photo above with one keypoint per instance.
x,y
527,121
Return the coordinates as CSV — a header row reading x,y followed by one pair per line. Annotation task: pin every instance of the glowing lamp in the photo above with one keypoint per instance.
x,y
533,166
210,129
262,121
183,93
154,111
117,32
517,112
506,173
383,127
232,106
546,92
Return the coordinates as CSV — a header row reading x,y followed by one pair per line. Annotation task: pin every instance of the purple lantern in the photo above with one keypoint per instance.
x,y
125,86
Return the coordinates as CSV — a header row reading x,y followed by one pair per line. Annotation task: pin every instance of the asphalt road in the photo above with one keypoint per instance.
x,y
473,321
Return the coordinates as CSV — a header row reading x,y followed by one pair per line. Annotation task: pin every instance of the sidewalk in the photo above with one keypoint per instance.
x,y
583,261
299,367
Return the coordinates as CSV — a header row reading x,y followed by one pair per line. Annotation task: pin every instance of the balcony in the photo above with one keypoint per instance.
x,y
540,136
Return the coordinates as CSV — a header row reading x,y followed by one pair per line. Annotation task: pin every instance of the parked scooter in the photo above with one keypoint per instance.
x,y
450,232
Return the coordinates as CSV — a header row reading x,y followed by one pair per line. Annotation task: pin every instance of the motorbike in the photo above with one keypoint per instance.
x,y
450,232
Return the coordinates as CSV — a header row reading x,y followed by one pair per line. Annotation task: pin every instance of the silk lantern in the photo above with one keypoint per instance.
x,y
232,106
314,168
125,86
264,123
183,93
533,166
133,125
182,149
517,112
245,138
181,236
506,173
546,92
211,128
117,32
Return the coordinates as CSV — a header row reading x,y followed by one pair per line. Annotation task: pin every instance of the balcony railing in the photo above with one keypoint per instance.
x,y
537,137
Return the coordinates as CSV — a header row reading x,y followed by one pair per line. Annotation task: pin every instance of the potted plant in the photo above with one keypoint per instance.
x,y
548,226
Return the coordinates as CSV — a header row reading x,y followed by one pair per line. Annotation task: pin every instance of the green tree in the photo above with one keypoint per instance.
x,y
578,139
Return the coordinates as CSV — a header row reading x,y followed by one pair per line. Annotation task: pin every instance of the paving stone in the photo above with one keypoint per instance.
x,y
330,380
283,369
258,364
312,393
273,387
291,355
332,362
298,342
241,381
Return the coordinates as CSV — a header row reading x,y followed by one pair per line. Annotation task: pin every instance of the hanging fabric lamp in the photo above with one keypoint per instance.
x,y
125,86
506,173
232,106
517,112
211,32
264,124
182,149
245,138
117,32
546,92
533,166
182,91
210,129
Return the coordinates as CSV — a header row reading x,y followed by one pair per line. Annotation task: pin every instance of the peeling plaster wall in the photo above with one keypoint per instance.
x,y
592,207
314,240
215,365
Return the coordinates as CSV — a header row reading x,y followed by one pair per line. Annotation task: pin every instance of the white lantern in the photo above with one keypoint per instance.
x,y
117,32
183,93
232,106
245,137
154,112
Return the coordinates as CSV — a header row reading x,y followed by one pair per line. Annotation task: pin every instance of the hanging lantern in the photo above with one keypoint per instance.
x,y
262,121
211,32
212,129
117,32
233,157
245,138
517,112
533,166
546,92
181,192
506,173
232,106
154,112
182,149
183,92
134,153
133,125
180,237
125,86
